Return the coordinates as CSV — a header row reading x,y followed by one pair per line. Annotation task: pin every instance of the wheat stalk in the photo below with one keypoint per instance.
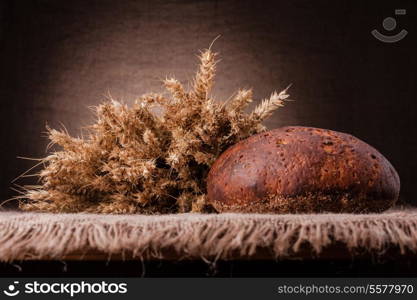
x,y
133,160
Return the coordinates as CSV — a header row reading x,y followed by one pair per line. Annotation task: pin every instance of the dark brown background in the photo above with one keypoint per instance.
x,y
59,57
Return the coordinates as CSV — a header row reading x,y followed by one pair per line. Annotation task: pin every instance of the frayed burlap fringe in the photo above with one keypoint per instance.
x,y
223,236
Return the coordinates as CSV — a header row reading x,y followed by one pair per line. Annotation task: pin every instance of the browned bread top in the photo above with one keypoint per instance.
x,y
280,170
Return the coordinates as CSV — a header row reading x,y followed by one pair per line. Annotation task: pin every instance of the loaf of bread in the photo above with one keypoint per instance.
x,y
302,170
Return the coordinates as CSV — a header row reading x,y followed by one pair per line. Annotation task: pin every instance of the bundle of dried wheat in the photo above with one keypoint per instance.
x,y
134,160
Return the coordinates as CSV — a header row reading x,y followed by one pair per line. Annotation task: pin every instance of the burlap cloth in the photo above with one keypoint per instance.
x,y
197,236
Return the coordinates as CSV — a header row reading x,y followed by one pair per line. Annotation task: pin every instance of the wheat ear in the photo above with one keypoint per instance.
x,y
204,78
268,106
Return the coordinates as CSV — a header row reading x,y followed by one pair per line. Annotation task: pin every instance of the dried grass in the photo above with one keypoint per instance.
x,y
136,161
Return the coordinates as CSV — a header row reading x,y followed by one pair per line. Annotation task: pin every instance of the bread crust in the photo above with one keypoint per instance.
x,y
302,170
